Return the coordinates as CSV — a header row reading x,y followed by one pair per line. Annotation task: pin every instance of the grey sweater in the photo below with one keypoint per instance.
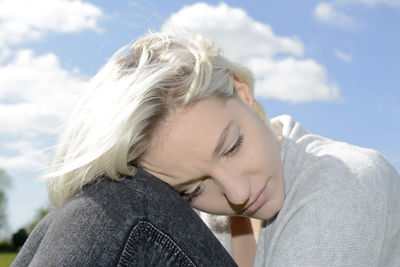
x,y
341,208
342,205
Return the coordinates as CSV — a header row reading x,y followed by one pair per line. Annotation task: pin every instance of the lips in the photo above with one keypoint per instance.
x,y
258,201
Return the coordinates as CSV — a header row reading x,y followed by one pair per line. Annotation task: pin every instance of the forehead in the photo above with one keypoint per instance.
x,y
198,124
184,144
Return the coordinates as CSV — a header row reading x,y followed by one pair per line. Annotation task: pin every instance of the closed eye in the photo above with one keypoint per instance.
x,y
193,194
197,191
235,148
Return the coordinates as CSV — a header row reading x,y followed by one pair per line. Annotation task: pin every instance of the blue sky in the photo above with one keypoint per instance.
x,y
334,66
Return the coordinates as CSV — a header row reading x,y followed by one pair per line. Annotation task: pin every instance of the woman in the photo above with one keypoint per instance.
x,y
176,108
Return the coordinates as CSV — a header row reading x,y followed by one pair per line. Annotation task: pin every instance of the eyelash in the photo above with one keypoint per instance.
x,y
194,193
235,148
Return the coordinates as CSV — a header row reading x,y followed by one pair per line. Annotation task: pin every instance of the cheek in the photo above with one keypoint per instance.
x,y
212,202
260,154
255,153
209,206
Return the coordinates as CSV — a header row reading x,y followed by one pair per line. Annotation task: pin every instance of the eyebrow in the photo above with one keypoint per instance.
x,y
222,139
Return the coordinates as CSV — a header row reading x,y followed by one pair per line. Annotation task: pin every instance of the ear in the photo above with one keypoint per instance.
x,y
245,94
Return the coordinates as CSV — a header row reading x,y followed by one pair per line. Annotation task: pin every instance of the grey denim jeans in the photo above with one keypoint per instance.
x,y
139,221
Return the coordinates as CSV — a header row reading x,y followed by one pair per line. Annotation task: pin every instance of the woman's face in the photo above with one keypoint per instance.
x,y
221,156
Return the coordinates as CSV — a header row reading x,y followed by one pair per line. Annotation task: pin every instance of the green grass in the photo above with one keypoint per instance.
x,y
7,258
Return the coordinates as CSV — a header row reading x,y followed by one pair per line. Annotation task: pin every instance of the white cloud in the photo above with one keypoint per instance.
x,y
30,162
36,94
256,45
27,20
331,13
28,155
292,80
4,53
326,12
343,56
234,30
372,2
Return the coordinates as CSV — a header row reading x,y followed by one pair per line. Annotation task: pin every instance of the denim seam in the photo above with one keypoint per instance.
x,y
146,228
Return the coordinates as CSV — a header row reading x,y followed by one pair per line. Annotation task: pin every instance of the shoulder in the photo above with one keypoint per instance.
x,y
308,150
341,187
341,204
344,161
336,180
322,161
336,209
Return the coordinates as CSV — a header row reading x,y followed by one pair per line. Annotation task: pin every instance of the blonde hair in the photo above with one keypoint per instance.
x,y
128,98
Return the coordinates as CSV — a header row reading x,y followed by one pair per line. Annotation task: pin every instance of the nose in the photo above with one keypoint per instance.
x,y
236,188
